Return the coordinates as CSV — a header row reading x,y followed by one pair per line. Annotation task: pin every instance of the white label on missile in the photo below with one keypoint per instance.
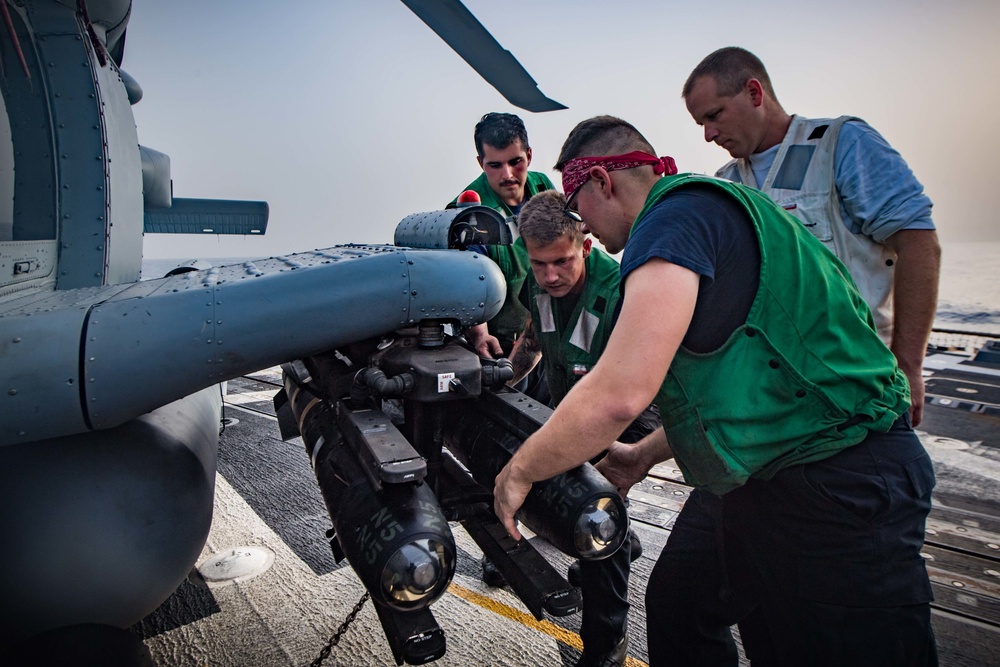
x,y
444,382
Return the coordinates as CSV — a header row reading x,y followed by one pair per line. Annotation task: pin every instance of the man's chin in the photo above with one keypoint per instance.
x,y
731,148
736,153
512,196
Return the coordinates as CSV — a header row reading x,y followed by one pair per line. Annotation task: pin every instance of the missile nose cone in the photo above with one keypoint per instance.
x,y
417,574
600,529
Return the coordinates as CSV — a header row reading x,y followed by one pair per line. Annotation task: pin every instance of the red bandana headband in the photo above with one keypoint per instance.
x,y
576,172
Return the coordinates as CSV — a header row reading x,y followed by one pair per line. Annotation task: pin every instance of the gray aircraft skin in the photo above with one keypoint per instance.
x,y
111,386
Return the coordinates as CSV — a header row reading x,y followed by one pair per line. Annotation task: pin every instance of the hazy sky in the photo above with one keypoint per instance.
x,y
347,116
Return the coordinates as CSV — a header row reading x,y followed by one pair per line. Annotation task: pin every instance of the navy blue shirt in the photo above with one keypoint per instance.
x,y
705,230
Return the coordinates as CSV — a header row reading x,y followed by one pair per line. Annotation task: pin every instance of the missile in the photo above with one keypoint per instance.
x,y
391,492
387,522
397,539
579,511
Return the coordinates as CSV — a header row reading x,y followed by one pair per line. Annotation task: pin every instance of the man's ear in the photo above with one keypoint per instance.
x,y
756,90
479,159
587,244
528,154
600,176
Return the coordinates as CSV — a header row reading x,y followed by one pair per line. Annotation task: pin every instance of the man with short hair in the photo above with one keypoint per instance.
x,y
571,293
504,155
844,182
780,404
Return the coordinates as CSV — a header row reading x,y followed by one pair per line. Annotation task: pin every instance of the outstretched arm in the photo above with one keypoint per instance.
x,y
620,386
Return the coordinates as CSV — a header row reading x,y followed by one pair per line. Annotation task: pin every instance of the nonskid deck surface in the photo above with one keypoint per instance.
x,y
266,498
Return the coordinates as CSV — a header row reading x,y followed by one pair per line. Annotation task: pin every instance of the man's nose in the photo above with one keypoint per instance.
x,y
551,275
710,133
507,171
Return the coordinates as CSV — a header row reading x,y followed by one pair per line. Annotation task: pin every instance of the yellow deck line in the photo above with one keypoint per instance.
x,y
560,634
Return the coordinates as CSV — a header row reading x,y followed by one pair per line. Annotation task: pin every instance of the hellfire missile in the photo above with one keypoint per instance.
x,y
579,511
393,533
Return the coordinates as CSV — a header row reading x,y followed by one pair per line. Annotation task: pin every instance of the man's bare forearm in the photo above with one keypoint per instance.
x,y
915,288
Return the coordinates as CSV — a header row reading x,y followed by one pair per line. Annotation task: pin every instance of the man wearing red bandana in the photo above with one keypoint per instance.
x,y
572,293
780,405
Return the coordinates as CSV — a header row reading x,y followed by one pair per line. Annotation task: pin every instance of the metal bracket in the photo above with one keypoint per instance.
x,y
386,456
532,578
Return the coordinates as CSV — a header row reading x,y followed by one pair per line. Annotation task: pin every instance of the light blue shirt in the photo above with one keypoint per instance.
x,y
879,195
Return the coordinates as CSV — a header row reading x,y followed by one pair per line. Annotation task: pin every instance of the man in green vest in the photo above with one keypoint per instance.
x,y
504,155
780,404
571,294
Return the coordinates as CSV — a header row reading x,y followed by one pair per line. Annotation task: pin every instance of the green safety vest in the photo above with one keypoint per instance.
x,y
569,354
804,377
512,259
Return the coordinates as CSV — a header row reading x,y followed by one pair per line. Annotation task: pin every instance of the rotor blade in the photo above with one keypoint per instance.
x,y
466,35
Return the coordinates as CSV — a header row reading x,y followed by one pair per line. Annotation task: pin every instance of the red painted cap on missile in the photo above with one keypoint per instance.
x,y
468,198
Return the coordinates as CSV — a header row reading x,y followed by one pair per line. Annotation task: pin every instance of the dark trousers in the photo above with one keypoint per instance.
x,y
820,565
605,600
